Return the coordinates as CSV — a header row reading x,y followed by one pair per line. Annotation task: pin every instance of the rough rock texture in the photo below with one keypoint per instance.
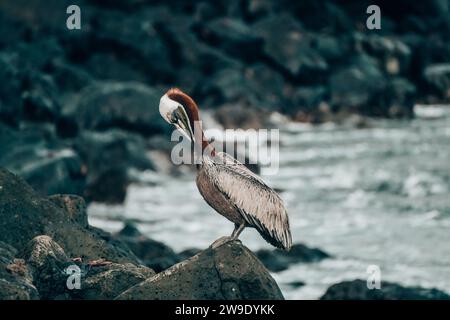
x,y
48,262
25,215
105,282
357,290
16,281
230,271
99,279
153,254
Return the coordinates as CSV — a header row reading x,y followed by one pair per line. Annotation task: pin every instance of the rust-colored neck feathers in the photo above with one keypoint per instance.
x,y
193,113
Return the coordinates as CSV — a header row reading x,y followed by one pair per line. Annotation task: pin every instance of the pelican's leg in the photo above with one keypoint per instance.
x,y
237,230
222,240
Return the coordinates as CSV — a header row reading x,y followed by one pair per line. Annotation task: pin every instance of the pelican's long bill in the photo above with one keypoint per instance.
x,y
174,113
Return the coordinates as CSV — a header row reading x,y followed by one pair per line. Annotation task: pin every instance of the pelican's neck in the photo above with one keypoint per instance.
x,y
201,146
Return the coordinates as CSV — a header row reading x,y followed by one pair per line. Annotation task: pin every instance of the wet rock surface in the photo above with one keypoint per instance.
x,y
230,271
357,290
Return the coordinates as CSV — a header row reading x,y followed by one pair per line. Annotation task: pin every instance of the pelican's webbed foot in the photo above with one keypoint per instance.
x,y
221,241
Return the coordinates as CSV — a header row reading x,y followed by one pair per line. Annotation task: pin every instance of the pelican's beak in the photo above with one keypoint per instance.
x,y
174,113
182,123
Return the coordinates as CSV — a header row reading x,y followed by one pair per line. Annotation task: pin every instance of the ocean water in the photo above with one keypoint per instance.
x,y
375,196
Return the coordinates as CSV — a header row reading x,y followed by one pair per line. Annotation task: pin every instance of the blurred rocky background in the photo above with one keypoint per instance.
x,y
79,108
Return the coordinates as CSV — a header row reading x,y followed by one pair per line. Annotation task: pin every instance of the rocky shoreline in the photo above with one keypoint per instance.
x,y
79,122
79,107
41,238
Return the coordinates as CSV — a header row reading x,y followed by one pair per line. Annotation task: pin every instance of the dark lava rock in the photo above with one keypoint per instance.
x,y
48,262
290,47
230,271
354,86
394,54
279,260
40,98
74,206
128,105
357,290
326,16
10,90
307,104
297,284
133,37
98,279
24,215
233,116
396,100
154,254
233,37
69,78
186,254
46,164
364,89
16,279
107,158
108,280
438,78
257,86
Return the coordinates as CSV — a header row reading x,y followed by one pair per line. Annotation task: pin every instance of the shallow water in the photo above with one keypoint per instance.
x,y
376,196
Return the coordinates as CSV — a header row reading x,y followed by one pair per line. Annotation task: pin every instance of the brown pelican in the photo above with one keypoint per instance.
x,y
226,184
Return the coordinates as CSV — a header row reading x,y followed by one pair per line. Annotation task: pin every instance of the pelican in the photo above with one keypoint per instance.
x,y
227,185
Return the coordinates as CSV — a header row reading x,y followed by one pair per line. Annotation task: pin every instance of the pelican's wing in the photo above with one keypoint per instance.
x,y
259,204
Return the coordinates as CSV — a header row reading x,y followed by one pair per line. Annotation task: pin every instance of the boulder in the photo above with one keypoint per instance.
x,y
48,263
395,100
105,281
108,158
11,89
237,117
306,102
326,16
230,271
256,86
127,105
279,260
290,47
16,280
438,78
40,98
354,86
357,290
154,254
393,53
99,279
231,36
24,215
47,165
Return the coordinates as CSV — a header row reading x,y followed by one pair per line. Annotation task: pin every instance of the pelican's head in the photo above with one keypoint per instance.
x,y
174,112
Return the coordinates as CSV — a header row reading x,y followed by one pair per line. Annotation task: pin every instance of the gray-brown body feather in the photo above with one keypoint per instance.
x,y
242,197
